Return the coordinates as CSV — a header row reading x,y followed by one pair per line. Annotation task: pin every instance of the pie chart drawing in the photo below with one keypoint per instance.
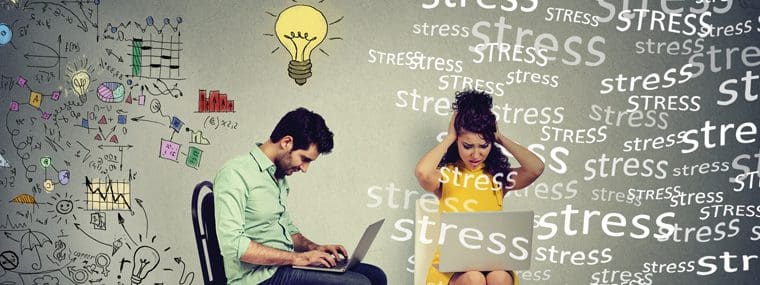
x,y
111,92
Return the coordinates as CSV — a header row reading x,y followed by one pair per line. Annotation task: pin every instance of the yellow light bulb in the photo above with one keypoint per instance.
x,y
80,81
300,29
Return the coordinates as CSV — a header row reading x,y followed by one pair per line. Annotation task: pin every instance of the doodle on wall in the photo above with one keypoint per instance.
x,y
6,34
300,29
108,195
156,58
59,119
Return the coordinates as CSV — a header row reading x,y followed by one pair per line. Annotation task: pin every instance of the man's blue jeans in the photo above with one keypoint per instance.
x,y
360,274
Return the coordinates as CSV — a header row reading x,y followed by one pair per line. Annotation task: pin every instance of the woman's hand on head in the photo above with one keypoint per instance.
x,y
498,136
452,129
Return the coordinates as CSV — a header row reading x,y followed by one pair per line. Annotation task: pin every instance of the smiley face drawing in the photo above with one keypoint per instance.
x,y
64,207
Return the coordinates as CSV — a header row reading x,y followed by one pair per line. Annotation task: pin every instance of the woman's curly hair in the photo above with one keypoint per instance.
x,y
474,115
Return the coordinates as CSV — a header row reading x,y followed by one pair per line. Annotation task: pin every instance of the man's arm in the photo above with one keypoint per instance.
x,y
301,243
257,253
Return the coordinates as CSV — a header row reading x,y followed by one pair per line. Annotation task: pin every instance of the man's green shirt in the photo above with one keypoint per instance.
x,y
250,205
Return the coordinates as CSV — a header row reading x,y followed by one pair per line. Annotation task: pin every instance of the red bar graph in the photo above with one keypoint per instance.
x,y
214,102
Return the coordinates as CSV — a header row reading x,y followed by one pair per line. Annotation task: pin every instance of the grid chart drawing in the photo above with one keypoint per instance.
x,y
156,59
107,195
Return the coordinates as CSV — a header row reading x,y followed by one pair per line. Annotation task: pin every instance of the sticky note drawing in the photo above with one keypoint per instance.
x,y
169,150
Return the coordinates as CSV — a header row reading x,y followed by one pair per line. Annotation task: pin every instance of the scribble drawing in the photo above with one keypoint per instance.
x,y
149,23
46,280
10,225
198,138
156,59
81,22
98,220
108,195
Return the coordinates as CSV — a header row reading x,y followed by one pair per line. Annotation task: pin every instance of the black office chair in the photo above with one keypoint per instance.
x,y
204,224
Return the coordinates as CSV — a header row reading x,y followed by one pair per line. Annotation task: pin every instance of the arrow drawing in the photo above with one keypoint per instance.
x,y
89,236
121,222
139,203
86,155
111,53
183,279
140,119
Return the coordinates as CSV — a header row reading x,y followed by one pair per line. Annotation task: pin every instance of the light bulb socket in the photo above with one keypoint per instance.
x,y
299,70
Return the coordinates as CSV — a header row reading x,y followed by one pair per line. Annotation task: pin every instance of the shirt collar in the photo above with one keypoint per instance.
x,y
263,162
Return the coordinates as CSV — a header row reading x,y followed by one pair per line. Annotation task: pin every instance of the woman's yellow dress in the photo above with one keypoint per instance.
x,y
463,193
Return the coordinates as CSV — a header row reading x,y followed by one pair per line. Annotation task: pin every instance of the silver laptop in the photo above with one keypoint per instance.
x,y
358,254
486,241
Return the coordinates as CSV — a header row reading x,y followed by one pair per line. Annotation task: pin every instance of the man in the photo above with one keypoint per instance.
x,y
258,241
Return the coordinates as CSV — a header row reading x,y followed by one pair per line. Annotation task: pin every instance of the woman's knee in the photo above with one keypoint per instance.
x,y
469,278
499,278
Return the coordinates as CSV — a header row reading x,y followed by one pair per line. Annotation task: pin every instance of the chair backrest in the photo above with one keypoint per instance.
x,y
204,224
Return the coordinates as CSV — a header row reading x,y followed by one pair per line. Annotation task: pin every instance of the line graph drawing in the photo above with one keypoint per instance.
x,y
108,195
8,224
149,23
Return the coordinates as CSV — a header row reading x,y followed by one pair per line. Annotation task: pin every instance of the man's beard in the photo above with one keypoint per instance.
x,y
282,170
280,173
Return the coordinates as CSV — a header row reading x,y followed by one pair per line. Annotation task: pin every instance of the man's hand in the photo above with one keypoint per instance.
x,y
336,250
314,257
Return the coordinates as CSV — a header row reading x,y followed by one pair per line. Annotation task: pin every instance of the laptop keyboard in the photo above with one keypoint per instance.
x,y
338,264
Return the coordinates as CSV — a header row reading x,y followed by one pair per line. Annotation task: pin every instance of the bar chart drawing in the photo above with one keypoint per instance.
x,y
156,59
214,102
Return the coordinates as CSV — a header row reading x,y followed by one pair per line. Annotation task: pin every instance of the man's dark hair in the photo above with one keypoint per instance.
x,y
306,128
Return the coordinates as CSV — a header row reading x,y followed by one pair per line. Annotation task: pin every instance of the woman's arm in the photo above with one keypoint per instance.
x,y
530,168
427,168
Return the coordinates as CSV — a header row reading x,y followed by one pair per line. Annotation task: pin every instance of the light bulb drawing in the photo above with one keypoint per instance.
x,y
144,261
80,81
300,29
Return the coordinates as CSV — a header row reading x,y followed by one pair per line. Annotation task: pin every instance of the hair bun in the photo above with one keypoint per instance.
x,y
472,100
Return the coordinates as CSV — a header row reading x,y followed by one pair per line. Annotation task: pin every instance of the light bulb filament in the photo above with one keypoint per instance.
x,y
301,46
305,36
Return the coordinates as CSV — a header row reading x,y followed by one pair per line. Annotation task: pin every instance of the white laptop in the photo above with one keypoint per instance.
x,y
358,254
486,241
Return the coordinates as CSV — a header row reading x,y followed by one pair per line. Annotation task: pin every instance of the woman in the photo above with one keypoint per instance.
x,y
452,169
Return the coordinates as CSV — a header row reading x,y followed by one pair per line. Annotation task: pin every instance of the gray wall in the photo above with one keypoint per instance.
x,y
380,133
